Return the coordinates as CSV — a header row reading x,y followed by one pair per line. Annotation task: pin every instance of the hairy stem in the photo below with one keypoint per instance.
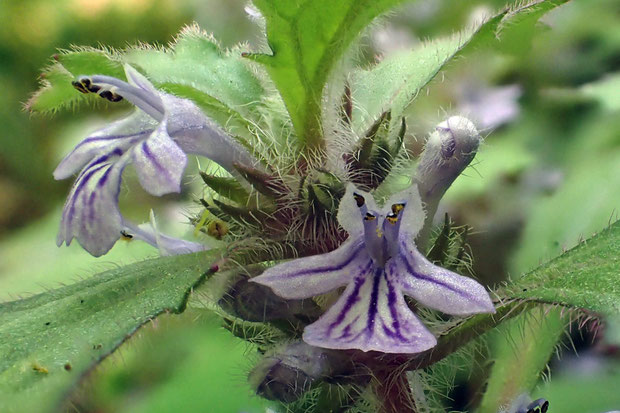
x,y
394,392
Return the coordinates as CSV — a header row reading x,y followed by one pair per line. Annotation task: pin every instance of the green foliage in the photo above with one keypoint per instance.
x,y
597,389
49,341
396,81
584,277
194,67
523,350
226,187
307,37
57,92
221,82
184,363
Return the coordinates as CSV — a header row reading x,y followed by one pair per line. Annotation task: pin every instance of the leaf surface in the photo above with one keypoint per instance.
x,y
306,38
395,82
51,340
587,276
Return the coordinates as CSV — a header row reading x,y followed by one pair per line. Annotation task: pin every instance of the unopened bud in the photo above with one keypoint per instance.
x,y
287,373
449,150
255,302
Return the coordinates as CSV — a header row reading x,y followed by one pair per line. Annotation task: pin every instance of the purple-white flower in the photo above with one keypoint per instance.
x,y
155,139
379,264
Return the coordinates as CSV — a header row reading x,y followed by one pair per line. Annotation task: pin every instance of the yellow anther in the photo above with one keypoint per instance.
x,y
396,208
392,218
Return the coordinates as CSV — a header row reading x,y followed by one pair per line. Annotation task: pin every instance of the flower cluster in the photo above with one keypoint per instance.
x,y
155,139
379,264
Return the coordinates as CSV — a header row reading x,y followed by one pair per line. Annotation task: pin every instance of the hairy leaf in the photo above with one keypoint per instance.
x,y
521,352
587,276
306,38
195,60
396,81
49,341
56,90
194,67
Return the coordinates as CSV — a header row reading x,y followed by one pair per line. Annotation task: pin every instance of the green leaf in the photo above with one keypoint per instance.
x,y
226,84
522,350
306,38
49,341
226,187
587,276
57,92
396,81
194,67
605,91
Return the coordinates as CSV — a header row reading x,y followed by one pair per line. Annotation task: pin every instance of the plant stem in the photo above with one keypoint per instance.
x,y
394,393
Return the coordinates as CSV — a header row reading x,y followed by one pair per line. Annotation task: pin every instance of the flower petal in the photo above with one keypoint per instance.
x,y
436,287
91,212
138,80
166,245
196,133
370,315
159,162
349,215
318,274
120,135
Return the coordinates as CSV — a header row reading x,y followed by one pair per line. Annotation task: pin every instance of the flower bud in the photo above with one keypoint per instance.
x,y
449,149
255,302
287,373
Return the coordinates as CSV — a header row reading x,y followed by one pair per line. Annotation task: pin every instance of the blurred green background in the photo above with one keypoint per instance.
x,y
547,175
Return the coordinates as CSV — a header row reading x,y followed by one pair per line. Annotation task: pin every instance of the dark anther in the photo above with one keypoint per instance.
x,y
369,217
359,200
80,88
125,234
106,94
115,98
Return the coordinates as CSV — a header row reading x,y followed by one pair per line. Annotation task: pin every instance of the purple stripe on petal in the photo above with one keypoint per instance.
x,y
78,189
351,300
114,137
374,299
392,301
329,268
159,162
437,287
424,277
149,155
311,276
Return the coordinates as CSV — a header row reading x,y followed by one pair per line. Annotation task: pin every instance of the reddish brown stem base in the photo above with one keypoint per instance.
x,y
394,393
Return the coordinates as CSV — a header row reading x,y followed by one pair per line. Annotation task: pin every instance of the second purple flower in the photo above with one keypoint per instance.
x,y
379,264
